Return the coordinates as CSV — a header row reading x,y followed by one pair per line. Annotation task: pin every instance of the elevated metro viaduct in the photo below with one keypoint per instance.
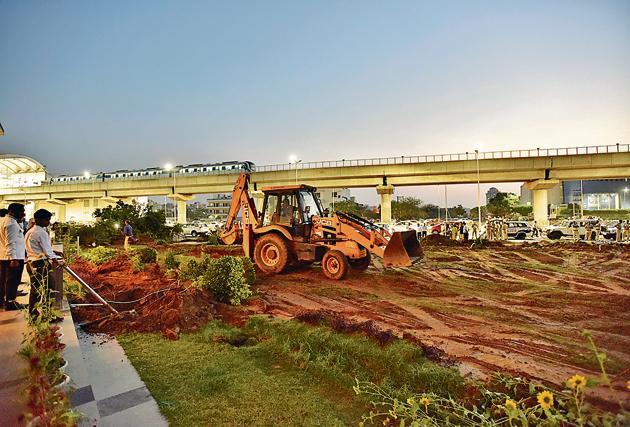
x,y
540,169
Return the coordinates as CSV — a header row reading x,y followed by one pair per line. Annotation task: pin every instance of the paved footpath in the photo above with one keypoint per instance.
x,y
106,388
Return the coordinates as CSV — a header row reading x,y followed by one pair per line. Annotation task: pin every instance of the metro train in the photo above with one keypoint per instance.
x,y
148,173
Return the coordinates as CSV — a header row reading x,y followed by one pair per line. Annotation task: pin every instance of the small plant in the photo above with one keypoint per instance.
x,y
147,255
73,290
48,405
136,263
170,262
100,255
213,239
229,278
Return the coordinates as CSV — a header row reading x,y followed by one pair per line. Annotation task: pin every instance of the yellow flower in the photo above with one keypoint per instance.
x,y
576,382
545,399
410,401
392,414
425,402
510,405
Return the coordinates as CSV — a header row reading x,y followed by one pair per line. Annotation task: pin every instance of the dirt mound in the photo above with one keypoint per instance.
x,y
161,304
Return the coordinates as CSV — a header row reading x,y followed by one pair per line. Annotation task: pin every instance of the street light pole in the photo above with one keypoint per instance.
x,y
478,191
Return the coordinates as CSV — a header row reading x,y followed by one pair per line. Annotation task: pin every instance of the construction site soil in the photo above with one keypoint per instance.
x,y
516,308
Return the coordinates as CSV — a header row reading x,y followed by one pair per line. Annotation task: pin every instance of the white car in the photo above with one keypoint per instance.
x,y
215,226
407,225
386,227
565,228
195,228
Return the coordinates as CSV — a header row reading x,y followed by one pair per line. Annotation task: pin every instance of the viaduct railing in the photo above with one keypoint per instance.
x,y
483,155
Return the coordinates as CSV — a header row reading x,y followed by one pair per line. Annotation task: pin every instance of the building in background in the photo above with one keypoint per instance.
x,y
592,195
219,205
491,194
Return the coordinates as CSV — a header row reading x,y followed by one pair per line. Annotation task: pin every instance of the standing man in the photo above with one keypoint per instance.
x,y
576,230
589,231
12,251
618,227
626,231
41,260
475,230
128,233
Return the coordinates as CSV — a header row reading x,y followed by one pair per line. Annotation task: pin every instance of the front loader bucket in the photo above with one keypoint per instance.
x,y
402,246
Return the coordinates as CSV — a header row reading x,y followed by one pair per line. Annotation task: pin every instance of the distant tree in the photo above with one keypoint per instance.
x,y
474,213
503,204
406,208
457,211
354,208
523,210
194,213
431,210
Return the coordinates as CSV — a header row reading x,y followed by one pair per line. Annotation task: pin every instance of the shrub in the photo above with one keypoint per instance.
x,y
99,255
146,255
213,239
136,263
170,262
228,278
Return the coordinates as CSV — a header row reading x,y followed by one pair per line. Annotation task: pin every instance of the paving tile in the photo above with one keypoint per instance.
x,y
90,414
145,414
109,370
82,396
123,401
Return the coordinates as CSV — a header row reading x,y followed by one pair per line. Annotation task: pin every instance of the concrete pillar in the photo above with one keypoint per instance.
x,y
540,203
259,199
386,191
181,211
60,213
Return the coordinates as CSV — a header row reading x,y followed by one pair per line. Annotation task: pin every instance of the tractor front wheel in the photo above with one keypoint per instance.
x,y
271,253
335,265
361,264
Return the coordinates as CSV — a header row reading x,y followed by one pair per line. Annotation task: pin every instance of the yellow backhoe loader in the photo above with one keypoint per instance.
x,y
292,227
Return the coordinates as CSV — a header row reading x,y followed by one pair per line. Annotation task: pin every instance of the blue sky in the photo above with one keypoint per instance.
x,y
110,85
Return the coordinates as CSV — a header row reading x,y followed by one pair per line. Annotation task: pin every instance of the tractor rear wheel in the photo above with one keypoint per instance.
x,y
335,265
271,253
361,264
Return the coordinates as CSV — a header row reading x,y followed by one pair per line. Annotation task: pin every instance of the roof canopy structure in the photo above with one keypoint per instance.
x,y
11,164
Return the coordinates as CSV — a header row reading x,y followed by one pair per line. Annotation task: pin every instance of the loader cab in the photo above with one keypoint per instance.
x,y
291,207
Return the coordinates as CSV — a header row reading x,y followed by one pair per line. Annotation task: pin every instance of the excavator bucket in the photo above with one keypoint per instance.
x,y
402,248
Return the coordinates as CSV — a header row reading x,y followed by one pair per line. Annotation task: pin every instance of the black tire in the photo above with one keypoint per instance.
x,y
555,235
361,264
335,265
521,236
271,253
193,233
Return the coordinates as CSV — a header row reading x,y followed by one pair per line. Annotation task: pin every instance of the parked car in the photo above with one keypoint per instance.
x,y
387,227
407,225
518,230
558,231
195,228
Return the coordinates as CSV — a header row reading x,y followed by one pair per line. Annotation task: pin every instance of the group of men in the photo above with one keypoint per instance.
x,y
31,248
496,229
593,230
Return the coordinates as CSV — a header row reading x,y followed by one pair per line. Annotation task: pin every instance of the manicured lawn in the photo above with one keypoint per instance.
x,y
275,373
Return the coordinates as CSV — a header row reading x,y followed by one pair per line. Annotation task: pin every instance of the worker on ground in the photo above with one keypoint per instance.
x,y
475,230
12,252
454,231
576,230
625,234
464,231
128,233
618,226
504,229
489,230
598,230
589,231
535,229
41,261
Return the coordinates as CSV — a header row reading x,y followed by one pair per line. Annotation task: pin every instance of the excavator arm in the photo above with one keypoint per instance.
x,y
232,233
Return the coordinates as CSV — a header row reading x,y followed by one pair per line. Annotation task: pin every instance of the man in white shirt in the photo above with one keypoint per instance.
x,y
12,251
41,259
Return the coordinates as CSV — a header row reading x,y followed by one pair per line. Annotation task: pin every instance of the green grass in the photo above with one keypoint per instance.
x,y
276,373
